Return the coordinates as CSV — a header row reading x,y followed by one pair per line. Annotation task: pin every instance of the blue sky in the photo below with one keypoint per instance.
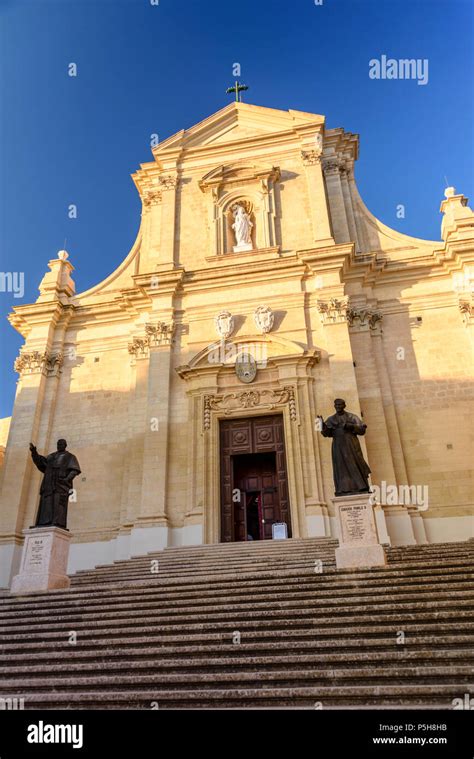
x,y
144,69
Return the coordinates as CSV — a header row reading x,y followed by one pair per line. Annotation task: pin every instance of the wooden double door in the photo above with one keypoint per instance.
x,y
254,486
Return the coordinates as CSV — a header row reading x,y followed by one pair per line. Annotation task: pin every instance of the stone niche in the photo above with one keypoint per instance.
x,y
254,187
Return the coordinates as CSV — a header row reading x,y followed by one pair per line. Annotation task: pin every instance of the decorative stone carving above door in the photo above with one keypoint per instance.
x,y
246,367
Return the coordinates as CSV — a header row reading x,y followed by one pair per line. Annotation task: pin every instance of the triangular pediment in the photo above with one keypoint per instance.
x,y
238,172
235,122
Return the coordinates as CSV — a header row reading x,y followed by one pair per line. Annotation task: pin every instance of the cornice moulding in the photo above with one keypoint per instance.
x,y
257,146
230,259
22,318
308,357
225,278
169,282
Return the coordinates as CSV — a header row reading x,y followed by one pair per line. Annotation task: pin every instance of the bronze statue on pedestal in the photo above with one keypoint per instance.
x,y
350,470
59,468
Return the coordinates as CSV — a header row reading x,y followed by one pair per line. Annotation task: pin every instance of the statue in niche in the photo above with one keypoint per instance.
x,y
59,469
242,227
350,470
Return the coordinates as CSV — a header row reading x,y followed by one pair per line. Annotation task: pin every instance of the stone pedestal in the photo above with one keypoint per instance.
x,y
242,247
43,561
359,544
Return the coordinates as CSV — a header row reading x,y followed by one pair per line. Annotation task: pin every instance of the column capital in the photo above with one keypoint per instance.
x,y
311,157
37,362
151,198
365,320
466,307
331,166
168,181
155,335
333,311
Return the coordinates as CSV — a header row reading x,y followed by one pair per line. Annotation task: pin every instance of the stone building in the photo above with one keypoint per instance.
x,y
258,289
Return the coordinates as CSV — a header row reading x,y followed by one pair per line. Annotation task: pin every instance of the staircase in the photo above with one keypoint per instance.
x,y
264,624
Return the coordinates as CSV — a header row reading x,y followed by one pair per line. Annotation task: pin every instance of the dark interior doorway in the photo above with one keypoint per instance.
x,y
253,508
255,479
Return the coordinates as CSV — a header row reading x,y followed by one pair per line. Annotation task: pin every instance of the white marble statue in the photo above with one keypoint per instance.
x,y
242,226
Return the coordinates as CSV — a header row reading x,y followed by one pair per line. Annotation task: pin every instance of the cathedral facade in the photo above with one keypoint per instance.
x,y
188,383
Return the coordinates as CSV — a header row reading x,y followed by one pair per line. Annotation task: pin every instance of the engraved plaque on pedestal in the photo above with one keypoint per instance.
x,y
359,544
37,551
357,523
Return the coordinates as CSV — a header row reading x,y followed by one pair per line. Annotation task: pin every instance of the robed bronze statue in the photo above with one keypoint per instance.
x,y
59,470
350,470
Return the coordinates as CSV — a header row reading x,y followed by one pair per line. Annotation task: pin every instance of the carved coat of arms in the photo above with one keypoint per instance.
x,y
224,323
264,318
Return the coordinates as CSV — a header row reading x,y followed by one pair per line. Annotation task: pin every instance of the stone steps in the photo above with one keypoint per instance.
x,y
305,636
319,586
416,572
200,561
154,599
259,552
254,643
239,614
222,561
376,637
361,614
231,573
235,659
374,696
179,566
249,594
394,675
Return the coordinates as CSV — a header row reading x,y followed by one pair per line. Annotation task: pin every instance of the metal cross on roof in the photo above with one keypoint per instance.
x,y
237,88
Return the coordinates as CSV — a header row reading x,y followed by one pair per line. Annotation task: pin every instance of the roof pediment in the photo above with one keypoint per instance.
x,y
236,122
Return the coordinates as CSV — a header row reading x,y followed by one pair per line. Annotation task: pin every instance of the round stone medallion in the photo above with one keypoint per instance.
x,y
246,367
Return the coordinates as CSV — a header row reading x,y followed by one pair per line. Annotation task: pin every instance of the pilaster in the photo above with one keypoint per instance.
x,y
331,168
333,315
320,216
151,354
39,364
168,184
